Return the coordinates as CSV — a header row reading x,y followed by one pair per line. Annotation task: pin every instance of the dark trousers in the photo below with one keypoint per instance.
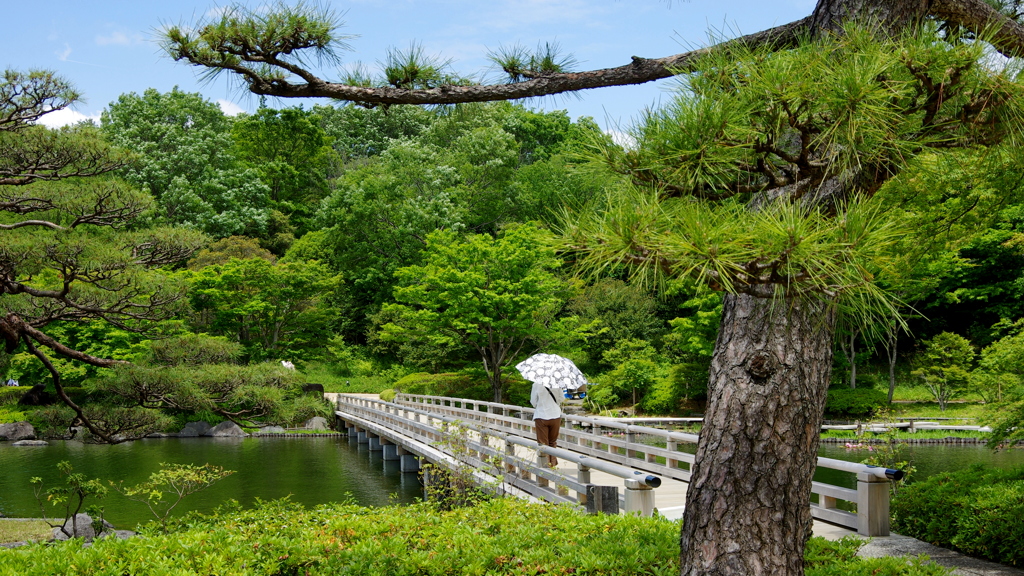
x,y
547,435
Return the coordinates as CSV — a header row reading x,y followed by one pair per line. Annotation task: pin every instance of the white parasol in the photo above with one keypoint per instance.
x,y
552,371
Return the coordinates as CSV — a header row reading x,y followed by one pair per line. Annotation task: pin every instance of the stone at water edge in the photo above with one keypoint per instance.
x,y
83,523
226,428
316,423
192,429
272,430
30,443
17,431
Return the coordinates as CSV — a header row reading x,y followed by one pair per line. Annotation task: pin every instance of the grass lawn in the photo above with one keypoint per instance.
x,y
931,410
321,374
15,530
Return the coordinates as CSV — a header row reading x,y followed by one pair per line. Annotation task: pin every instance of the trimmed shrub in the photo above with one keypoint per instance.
x,y
859,402
11,394
388,395
976,511
505,536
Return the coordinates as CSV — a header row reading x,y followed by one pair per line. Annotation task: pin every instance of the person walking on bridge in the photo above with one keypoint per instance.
x,y
547,417
554,378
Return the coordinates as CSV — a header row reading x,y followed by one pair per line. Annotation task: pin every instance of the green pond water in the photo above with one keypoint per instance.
x,y
317,470
308,470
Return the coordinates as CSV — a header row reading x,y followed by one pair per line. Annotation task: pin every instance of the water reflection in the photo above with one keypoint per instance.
x,y
308,470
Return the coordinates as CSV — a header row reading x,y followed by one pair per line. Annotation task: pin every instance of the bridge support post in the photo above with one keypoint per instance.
x,y
583,477
542,462
390,450
872,505
602,499
408,462
673,446
510,452
374,442
630,439
639,498
361,434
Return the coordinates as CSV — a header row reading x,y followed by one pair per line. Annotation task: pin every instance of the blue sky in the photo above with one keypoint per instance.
x,y
107,48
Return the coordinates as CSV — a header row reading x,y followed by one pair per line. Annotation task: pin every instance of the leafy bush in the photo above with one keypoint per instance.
x,y
388,395
859,402
977,511
500,536
684,382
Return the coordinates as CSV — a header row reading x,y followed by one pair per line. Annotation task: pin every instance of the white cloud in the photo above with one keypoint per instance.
x,y
622,139
65,117
62,55
230,108
119,38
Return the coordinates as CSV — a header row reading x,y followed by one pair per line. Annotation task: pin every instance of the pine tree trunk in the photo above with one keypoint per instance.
x,y
748,503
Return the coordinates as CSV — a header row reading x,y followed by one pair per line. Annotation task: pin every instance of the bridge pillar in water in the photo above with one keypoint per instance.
x,y
409,462
361,435
374,442
639,498
390,450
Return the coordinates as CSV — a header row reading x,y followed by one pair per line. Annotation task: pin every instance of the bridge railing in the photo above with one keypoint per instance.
x,y
662,452
396,423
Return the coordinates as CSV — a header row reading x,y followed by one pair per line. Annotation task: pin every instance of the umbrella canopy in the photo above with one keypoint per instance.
x,y
552,371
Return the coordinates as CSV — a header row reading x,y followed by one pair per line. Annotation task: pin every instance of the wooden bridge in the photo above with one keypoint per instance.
x,y
598,456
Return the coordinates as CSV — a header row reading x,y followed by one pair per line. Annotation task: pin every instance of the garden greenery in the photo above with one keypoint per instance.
x,y
500,536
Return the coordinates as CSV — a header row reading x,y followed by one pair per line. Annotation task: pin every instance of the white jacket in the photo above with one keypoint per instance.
x,y
548,406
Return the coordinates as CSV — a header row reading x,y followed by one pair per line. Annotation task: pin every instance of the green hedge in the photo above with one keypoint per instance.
x,y
11,394
502,537
854,403
978,511
473,386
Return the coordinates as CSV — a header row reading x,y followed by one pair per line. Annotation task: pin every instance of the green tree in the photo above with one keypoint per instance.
x,y
175,481
183,145
622,311
70,497
945,366
291,152
1001,366
68,250
358,133
271,309
496,295
800,129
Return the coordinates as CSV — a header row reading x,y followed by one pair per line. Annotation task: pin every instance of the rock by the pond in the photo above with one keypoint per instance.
x,y
30,443
272,430
226,428
200,428
80,528
17,431
316,423
119,534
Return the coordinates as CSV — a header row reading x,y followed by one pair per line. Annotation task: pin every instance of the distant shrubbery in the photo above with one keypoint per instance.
x,y
463,385
854,402
977,511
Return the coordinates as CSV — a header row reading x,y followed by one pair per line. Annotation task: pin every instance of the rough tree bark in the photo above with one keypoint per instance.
x,y
747,504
